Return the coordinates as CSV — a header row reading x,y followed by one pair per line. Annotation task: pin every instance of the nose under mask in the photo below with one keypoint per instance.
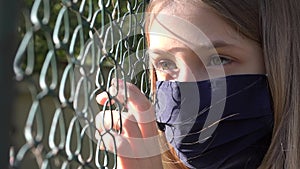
x,y
218,123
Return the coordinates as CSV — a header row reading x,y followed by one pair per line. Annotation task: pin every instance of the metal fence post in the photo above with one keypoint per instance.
x,y
8,32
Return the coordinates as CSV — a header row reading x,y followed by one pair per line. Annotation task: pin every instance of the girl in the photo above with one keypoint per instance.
x,y
225,74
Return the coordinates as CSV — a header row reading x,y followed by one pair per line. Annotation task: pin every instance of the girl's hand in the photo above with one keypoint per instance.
x,y
138,144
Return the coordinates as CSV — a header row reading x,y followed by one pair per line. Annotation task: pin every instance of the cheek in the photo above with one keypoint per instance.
x,y
191,68
166,76
192,72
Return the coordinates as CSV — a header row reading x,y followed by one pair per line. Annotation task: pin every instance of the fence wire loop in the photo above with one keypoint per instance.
x,y
69,52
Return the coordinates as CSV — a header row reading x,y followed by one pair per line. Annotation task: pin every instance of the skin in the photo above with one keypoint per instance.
x,y
237,54
178,60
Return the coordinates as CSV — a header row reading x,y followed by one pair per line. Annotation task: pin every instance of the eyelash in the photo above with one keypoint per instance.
x,y
161,64
217,60
168,65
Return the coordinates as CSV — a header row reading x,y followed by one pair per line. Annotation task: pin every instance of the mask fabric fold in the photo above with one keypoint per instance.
x,y
219,123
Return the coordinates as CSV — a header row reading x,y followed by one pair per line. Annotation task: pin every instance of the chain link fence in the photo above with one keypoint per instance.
x,y
69,51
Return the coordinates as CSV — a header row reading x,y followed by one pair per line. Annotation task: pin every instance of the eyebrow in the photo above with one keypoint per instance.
x,y
158,52
209,46
219,44
215,44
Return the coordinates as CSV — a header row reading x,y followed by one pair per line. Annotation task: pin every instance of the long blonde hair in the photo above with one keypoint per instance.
x,y
275,26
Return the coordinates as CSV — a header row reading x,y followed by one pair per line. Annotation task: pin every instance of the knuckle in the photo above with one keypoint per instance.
x,y
99,119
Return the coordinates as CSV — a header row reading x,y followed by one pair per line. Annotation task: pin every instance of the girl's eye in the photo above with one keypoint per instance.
x,y
217,60
165,64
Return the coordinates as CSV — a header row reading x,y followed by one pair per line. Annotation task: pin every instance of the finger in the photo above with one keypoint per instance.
x,y
131,128
147,127
103,99
107,120
103,124
115,143
126,121
141,108
130,147
112,94
125,154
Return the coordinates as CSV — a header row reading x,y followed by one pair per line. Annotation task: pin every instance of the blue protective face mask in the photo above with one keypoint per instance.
x,y
218,123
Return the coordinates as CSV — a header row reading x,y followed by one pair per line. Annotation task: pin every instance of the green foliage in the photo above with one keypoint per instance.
x,y
43,37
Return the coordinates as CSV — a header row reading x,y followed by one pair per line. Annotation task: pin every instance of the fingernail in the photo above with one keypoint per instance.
x,y
102,98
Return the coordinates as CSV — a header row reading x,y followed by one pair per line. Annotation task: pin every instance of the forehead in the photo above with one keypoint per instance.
x,y
186,24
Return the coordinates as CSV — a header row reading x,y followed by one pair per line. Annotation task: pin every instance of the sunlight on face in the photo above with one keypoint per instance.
x,y
191,43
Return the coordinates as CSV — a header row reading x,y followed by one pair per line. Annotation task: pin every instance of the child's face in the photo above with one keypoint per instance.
x,y
179,51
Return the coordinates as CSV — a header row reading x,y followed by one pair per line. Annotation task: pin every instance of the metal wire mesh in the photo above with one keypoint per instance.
x,y
69,52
